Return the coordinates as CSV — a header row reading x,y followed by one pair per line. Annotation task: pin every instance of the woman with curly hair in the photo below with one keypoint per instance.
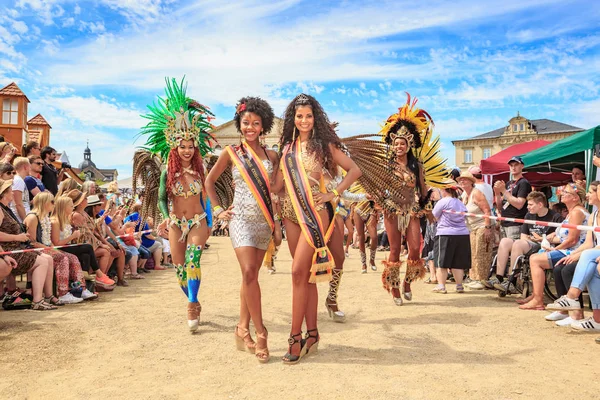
x,y
251,216
311,151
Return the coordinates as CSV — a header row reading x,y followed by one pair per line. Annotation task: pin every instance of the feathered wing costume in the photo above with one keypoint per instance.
x,y
395,192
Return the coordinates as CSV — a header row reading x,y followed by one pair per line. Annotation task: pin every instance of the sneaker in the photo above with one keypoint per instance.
x,y
347,254
556,316
467,280
475,285
565,322
69,299
87,295
490,283
440,289
504,286
105,280
564,304
588,325
460,288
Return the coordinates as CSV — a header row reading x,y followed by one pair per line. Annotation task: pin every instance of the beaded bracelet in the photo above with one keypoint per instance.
x,y
217,210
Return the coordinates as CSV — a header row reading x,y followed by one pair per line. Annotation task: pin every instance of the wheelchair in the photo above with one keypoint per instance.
x,y
519,281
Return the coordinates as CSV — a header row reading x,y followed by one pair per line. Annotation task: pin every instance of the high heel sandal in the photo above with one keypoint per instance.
x,y
262,354
314,348
243,344
193,315
289,358
331,299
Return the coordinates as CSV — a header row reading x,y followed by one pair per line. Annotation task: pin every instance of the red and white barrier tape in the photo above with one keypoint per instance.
x,y
61,247
529,221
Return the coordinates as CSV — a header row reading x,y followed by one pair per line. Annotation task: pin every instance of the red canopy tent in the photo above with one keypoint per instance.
x,y
495,168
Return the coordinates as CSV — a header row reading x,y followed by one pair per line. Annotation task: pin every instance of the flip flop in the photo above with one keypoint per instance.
x,y
536,308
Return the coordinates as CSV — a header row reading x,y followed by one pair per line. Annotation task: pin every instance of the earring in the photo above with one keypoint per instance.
x,y
294,135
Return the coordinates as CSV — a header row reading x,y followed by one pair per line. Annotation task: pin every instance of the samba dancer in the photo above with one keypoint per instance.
x,y
178,132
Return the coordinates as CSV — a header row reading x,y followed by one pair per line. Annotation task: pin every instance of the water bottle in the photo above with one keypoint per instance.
x,y
545,242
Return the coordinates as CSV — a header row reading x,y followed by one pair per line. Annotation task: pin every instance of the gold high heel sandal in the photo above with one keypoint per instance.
x,y
331,299
262,355
243,344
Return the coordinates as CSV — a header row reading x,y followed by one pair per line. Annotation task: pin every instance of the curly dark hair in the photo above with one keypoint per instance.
x,y
324,131
257,106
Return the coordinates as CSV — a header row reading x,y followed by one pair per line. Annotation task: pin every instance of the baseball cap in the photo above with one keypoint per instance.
x,y
517,159
475,170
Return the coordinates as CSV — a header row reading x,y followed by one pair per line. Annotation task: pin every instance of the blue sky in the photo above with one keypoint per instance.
x,y
90,67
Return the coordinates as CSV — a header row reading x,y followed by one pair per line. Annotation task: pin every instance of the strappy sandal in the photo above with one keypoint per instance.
x,y
314,348
262,354
289,358
136,276
244,342
42,306
53,300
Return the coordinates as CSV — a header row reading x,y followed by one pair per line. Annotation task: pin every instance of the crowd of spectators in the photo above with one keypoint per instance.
x,y
65,242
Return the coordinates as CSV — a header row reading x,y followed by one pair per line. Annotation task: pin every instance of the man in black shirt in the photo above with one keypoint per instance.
x,y
530,240
511,198
50,175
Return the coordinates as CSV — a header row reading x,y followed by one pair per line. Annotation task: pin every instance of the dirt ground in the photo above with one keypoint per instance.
x,y
134,344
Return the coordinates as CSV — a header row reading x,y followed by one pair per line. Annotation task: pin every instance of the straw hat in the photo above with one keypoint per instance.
x,y
5,185
93,200
466,175
77,196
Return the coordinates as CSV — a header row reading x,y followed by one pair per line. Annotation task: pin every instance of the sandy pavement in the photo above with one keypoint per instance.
x,y
134,344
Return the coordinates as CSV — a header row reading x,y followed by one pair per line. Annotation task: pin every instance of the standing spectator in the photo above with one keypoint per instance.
x,y
483,187
30,149
578,173
50,175
482,237
511,198
33,181
452,244
89,187
20,205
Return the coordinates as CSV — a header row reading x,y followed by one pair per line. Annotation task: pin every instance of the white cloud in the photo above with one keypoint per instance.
x,y
76,9
46,10
20,27
93,27
93,112
50,47
68,22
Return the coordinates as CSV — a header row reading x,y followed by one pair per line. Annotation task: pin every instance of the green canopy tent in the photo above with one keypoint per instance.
x,y
562,155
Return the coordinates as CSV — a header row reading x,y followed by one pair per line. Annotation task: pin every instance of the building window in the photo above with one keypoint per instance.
x,y
10,112
487,153
468,156
515,127
522,127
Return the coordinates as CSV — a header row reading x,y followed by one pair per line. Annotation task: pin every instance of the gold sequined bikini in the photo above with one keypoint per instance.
x,y
184,224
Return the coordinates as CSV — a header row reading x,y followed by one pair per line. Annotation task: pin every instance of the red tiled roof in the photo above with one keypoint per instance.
x,y
13,90
38,120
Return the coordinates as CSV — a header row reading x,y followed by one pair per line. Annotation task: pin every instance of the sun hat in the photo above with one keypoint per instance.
x,y
93,200
77,196
5,185
466,175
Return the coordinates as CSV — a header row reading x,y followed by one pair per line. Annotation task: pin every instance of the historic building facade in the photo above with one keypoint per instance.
x,y
226,134
519,129
14,125
93,173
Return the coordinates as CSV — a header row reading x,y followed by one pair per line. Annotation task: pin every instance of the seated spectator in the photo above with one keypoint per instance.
x,y
118,254
511,199
561,208
7,263
38,267
565,241
148,240
66,266
30,149
7,152
34,180
530,241
124,233
452,245
63,234
68,185
90,187
20,206
81,221
7,171
565,268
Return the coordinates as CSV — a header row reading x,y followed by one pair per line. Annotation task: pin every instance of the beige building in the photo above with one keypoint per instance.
x,y
519,129
226,134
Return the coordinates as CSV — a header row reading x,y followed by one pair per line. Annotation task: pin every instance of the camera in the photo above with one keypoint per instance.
x,y
66,165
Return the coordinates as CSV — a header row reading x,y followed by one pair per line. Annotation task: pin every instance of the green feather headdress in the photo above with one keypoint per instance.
x,y
175,118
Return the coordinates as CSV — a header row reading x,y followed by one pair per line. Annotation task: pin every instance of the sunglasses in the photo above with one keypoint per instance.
x,y
12,172
39,163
